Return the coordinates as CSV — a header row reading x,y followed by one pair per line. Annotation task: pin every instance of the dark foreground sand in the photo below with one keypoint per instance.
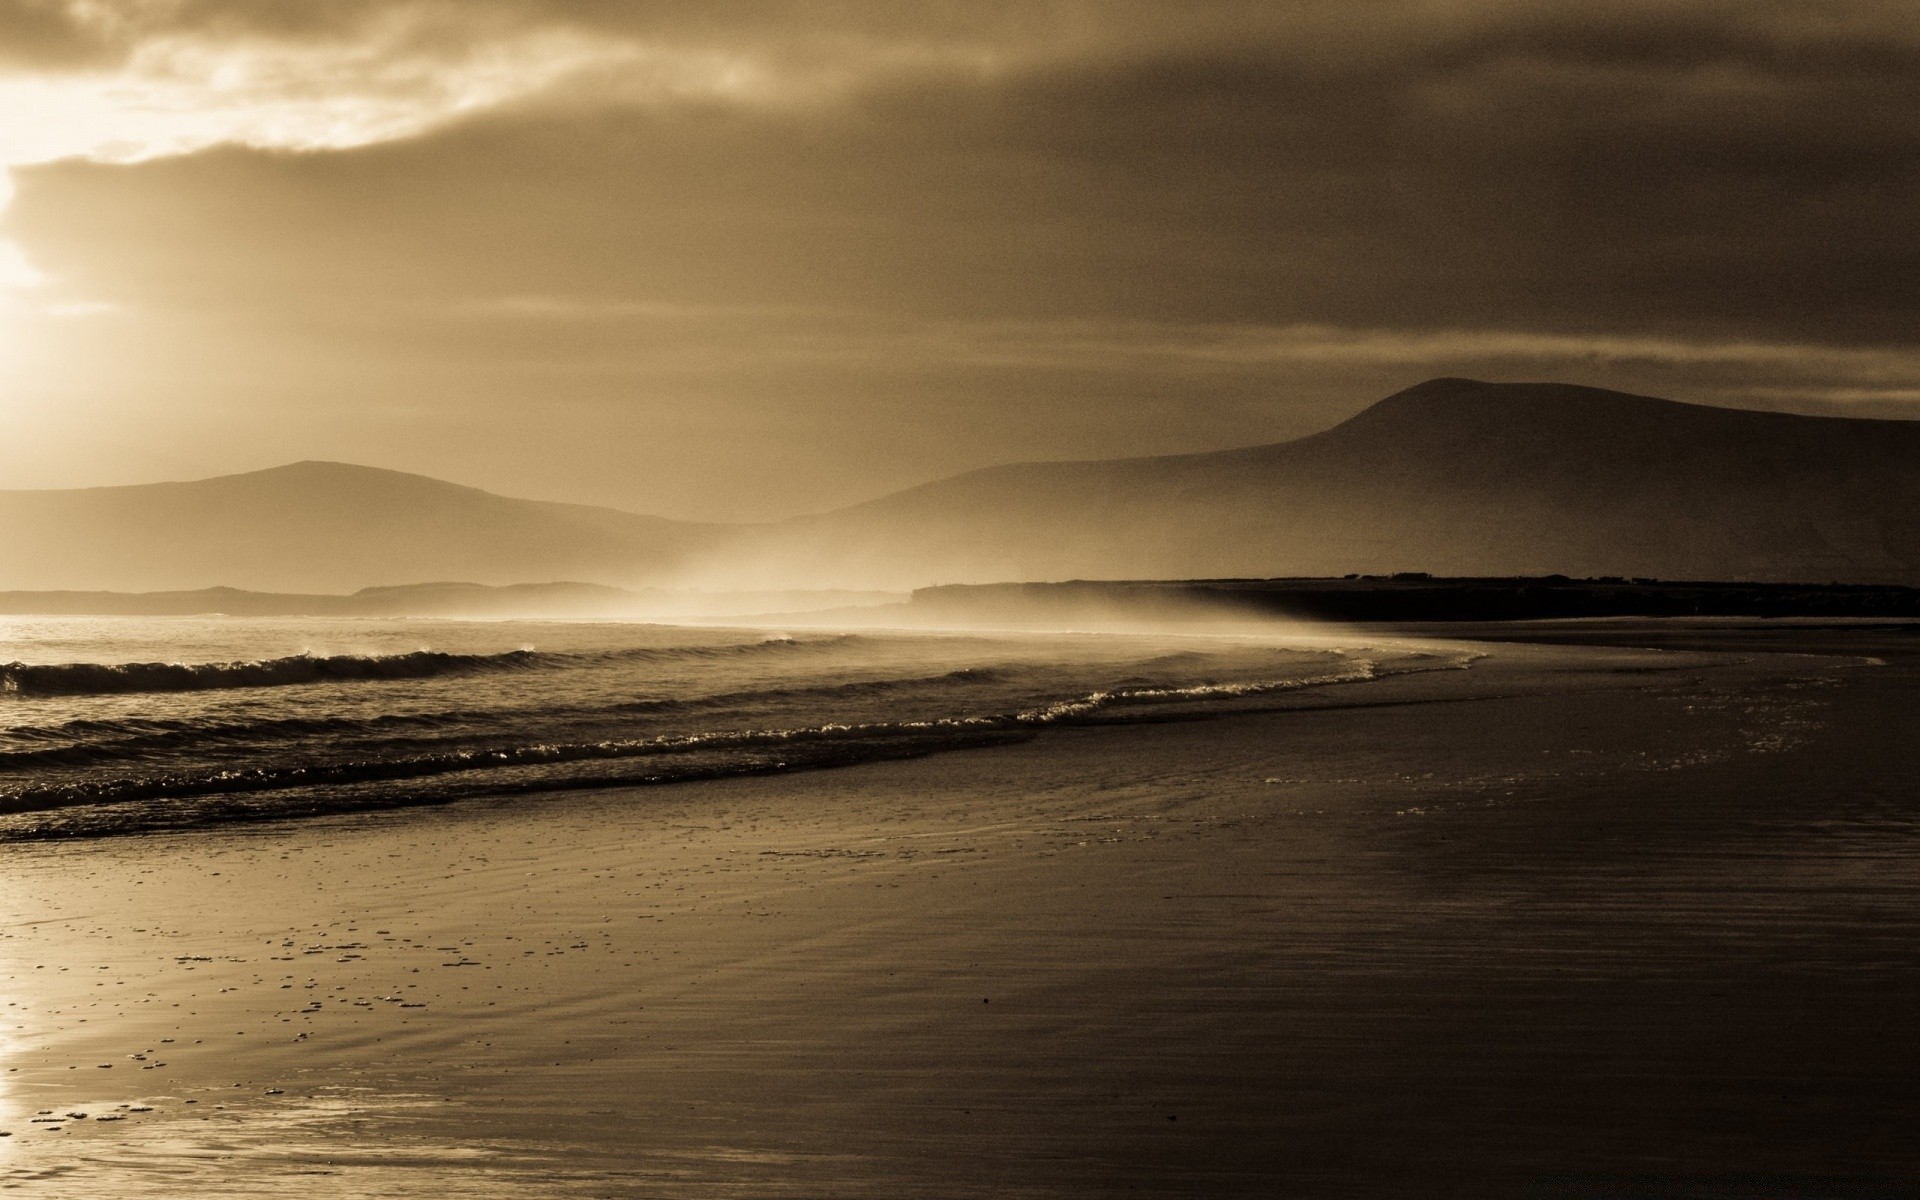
x,y
1576,922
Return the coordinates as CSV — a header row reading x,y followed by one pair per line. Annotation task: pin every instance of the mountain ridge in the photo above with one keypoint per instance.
x,y
316,526
1453,476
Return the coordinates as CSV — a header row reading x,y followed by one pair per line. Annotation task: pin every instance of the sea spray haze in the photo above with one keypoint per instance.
x,y
120,725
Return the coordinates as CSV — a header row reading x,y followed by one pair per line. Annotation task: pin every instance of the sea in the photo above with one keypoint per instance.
x,y
119,725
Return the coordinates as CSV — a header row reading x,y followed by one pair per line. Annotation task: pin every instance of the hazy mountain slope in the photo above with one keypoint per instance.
x,y
322,527
1452,476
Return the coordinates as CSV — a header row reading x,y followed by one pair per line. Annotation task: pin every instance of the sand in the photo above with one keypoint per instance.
x,y
1577,921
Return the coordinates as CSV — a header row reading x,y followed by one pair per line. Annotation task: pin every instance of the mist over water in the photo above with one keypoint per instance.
x,y
117,725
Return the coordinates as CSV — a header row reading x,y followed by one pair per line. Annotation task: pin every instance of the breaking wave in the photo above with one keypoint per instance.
x,y
178,753
90,741
102,679
99,679
848,742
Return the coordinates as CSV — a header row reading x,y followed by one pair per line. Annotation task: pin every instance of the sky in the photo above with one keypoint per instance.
x,y
734,261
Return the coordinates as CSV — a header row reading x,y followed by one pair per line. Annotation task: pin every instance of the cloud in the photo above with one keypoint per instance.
x,y
1685,181
1159,225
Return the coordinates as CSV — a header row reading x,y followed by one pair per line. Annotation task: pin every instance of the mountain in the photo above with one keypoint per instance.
x,y
323,527
1454,477
471,601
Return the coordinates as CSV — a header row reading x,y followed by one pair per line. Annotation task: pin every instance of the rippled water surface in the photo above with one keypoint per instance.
x,y
120,724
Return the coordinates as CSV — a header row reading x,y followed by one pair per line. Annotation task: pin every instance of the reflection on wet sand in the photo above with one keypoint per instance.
x,y
1573,922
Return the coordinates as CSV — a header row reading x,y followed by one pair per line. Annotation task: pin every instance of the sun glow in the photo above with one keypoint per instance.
x,y
401,77
16,273
19,278
176,95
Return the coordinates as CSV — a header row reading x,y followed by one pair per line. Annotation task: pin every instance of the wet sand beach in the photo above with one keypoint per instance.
x,y
1578,921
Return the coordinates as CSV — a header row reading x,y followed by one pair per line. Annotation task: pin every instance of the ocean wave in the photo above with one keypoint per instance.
x,y
408,774
932,734
165,811
92,741
101,679
854,689
39,797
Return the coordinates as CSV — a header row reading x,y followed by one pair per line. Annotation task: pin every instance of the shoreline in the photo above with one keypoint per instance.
x,y
1222,956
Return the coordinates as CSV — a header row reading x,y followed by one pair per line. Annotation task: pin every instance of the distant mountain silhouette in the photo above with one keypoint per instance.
x,y
322,527
452,600
1453,476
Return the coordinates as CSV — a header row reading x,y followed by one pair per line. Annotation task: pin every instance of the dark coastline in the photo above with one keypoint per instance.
x,y
1371,598
1419,598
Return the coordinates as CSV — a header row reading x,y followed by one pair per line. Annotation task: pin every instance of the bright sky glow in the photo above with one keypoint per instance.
x,y
178,95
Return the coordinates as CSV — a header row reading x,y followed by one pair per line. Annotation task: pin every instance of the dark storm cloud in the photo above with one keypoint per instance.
x,y
1676,169
1659,173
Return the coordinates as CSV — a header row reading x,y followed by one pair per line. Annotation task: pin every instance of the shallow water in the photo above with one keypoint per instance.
x,y
119,725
